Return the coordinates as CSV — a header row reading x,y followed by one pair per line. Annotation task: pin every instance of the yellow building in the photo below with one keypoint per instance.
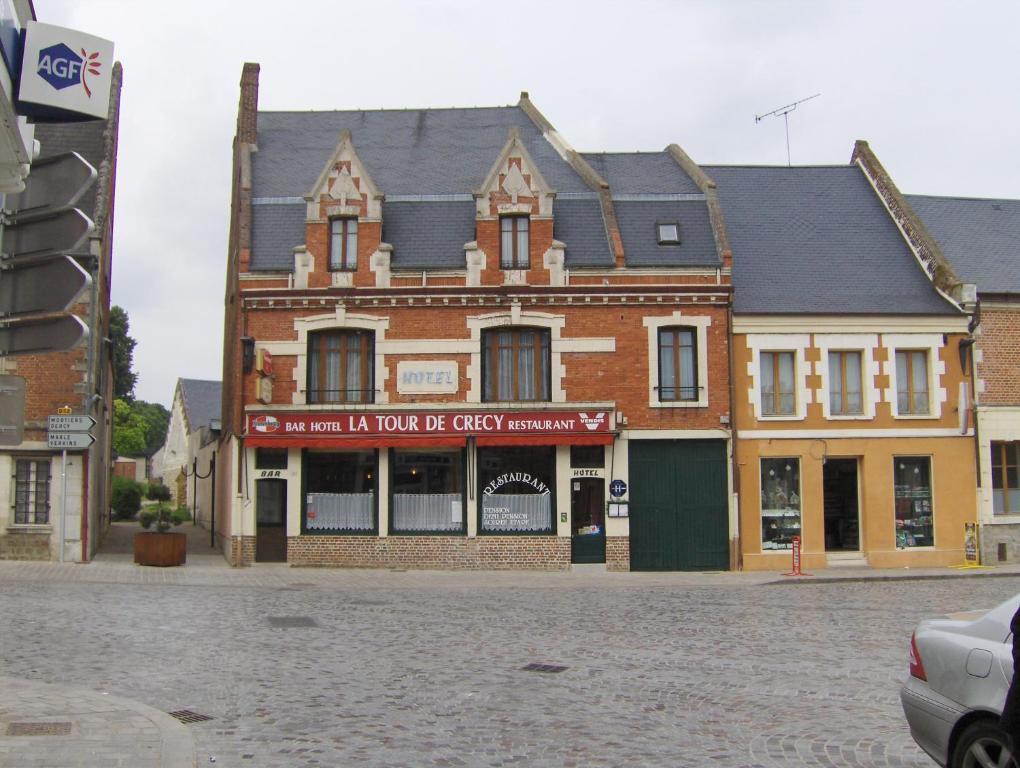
x,y
851,398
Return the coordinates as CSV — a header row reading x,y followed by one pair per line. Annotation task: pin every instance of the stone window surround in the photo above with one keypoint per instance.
x,y
339,320
700,324
930,343
870,368
780,342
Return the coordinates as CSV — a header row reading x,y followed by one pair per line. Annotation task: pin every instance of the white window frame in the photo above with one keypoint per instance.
x,y
930,343
700,324
780,342
870,394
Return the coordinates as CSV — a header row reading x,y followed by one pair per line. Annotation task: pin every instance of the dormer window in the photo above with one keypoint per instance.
x,y
343,244
668,232
513,242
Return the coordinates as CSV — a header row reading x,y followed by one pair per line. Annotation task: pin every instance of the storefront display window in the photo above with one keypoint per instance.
x,y
516,489
340,491
428,491
780,503
912,486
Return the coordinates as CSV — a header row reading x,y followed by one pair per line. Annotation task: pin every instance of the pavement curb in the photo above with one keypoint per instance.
x,y
177,746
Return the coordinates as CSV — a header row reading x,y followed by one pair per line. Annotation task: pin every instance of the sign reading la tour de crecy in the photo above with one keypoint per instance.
x,y
424,424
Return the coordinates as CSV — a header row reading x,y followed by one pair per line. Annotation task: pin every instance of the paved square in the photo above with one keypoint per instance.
x,y
402,669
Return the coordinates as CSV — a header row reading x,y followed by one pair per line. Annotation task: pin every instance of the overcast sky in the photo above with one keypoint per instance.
x,y
930,84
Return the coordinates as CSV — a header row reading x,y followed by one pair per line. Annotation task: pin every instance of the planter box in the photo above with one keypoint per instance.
x,y
160,549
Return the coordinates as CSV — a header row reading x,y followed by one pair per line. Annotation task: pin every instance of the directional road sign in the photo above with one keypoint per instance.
x,y
12,410
70,423
40,333
56,182
69,441
48,286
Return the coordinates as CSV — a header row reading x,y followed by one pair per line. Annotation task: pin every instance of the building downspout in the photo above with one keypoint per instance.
x,y
736,557
85,506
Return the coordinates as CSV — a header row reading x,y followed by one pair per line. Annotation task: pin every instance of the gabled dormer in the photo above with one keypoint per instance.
x,y
514,208
343,221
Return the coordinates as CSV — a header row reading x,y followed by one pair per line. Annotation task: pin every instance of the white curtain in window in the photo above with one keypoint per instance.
x,y
526,367
353,383
853,383
522,242
920,381
786,383
352,244
506,251
506,365
688,380
768,378
427,512
332,369
516,512
340,511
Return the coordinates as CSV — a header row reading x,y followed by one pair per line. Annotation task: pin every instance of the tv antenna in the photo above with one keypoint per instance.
x,y
785,112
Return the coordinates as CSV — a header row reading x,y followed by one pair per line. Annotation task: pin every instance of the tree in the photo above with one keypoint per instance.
x,y
124,377
129,429
157,419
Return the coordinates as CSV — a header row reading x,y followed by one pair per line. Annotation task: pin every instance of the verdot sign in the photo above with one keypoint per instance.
x,y
65,74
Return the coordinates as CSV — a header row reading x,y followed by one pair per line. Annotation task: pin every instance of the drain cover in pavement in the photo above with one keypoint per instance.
x,y
38,729
292,621
547,668
187,716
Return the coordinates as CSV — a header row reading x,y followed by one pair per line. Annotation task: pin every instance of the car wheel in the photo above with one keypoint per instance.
x,y
983,745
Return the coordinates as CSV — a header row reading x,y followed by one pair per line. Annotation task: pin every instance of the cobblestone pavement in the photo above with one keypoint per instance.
x,y
339,668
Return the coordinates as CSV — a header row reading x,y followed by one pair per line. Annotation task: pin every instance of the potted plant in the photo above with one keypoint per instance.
x,y
160,547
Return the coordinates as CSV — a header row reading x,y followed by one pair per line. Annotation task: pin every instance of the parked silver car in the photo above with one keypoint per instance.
x,y
960,669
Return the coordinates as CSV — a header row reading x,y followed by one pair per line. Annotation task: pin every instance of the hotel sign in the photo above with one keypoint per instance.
x,y
427,423
427,377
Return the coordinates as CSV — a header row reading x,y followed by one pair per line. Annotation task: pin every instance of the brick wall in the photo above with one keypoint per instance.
x,y
549,553
617,553
1000,366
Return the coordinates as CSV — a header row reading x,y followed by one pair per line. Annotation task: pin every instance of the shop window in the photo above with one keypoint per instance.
x,y
270,458
428,491
340,367
780,503
912,382
678,364
513,242
343,244
845,393
912,486
340,491
587,456
1005,488
31,491
777,384
516,365
516,489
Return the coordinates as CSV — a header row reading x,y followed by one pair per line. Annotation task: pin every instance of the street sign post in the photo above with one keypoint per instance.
x,y
66,431
70,423
69,441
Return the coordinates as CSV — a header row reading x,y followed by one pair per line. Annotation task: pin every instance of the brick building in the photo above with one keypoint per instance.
x,y
80,379
453,341
847,373
980,238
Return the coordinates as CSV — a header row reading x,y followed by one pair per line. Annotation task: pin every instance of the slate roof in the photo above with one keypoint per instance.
x,y
634,173
408,153
428,234
276,229
579,224
651,187
202,401
817,240
981,238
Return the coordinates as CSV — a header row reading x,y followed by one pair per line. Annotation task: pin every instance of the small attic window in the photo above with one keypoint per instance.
x,y
668,232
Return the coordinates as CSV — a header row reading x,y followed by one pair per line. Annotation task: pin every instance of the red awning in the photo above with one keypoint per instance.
x,y
592,438
341,443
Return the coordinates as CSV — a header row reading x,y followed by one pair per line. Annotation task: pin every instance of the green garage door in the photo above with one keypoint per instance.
x,y
679,512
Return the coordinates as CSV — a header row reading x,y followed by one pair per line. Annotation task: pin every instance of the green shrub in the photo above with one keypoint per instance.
x,y
126,499
157,492
163,517
181,514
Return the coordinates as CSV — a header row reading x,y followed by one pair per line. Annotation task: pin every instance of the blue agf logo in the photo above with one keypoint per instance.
x,y
63,68
60,66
